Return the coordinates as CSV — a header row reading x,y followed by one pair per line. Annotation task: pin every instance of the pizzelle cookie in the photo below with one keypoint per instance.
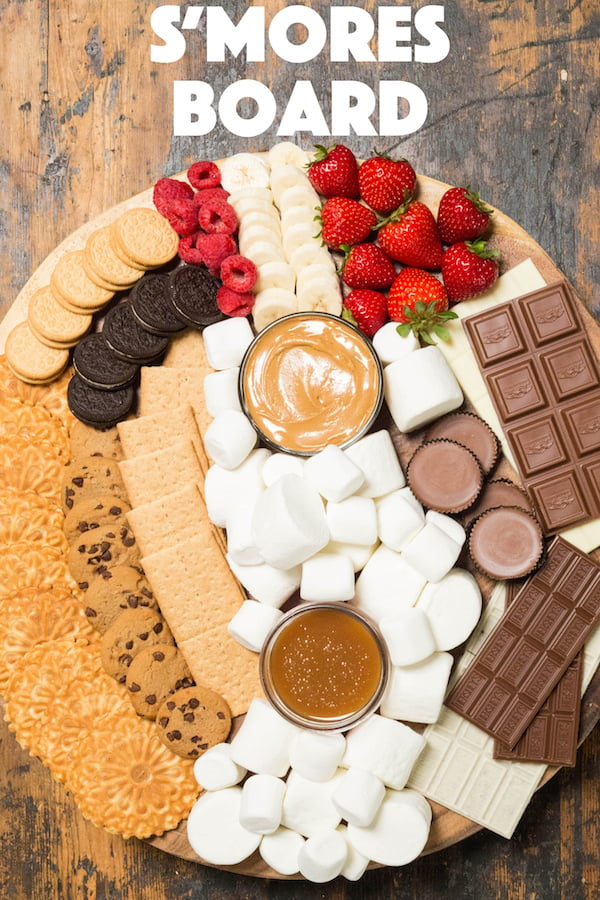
x,y
193,719
36,424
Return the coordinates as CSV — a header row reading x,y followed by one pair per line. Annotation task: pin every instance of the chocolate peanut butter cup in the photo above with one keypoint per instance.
x,y
445,476
505,542
473,432
501,492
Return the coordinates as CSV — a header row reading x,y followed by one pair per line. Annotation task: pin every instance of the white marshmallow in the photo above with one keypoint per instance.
x,y
215,769
229,438
289,523
352,521
221,391
385,748
224,488
358,796
280,850
453,607
434,550
416,693
327,577
241,546
376,455
226,342
399,517
316,755
252,623
358,554
408,635
322,856
419,388
356,864
333,474
214,830
262,799
399,831
390,346
266,583
307,805
279,464
387,583
262,745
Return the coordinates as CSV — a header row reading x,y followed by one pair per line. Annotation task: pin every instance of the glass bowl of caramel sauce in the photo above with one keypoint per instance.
x,y
308,380
324,666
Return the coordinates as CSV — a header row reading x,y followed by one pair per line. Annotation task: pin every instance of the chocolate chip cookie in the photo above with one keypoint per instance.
x,y
193,719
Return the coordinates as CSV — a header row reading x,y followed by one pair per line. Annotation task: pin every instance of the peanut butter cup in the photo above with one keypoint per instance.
x,y
471,431
506,542
445,476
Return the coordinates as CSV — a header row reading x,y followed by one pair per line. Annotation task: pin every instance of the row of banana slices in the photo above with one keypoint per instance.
x,y
276,206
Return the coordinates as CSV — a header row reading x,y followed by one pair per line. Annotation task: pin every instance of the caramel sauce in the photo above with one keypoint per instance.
x,y
326,664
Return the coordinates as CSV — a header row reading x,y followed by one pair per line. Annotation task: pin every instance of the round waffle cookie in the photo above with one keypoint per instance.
x,y
28,466
53,397
32,529
35,424
39,511
25,564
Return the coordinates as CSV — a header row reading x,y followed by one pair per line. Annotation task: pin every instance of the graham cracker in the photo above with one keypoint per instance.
x,y
160,430
186,349
170,519
163,388
149,476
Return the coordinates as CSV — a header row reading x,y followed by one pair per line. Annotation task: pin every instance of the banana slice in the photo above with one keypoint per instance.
x,y
261,252
260,196
272,304
322,270
244,170
285,177
294,237
300,195
286,153
255,235
317,295
294,215
308,255
269,220
275,275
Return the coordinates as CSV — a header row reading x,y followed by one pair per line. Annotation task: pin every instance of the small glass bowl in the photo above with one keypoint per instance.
x,y
322,669
338,334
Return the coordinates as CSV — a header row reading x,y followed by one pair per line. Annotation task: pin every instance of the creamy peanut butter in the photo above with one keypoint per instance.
x,y
310,380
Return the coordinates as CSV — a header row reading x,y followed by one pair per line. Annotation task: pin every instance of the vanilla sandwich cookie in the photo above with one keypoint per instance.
x,y
275,274
390,346
433,551
322,856
225,488
221,391
399,831
52,324
358,796
280,850
327,577
244,170
307,805
252,623
399,518
384,747
289,523
438,390
279,464
215,769
416,693
262,800
333,474
262,744
271,304
387,583
214,829
268,585
316,755
408,635
30,359
376,456
353,521
226,342
230,438
453,607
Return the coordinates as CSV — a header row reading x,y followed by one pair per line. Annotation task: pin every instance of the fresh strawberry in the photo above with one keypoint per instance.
x,y
367,309
386,183
345,221
410,236
334,171
462,215
418,300
367,266
469,269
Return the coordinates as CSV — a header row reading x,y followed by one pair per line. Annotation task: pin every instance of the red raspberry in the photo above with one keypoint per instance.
x,y
215,248
166,190
182,217
218,216
204,174
188,251
218,193
234,303
238,273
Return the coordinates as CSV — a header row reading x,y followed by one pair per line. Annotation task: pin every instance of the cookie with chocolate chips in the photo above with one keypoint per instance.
x,y
89,476
95,551
120,588
155,673
131,632
92,512
193,719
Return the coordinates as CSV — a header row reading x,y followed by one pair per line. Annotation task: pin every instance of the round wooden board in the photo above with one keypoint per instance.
x,y
515,245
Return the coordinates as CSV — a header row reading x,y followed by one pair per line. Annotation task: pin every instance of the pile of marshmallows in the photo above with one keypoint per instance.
x,y
312,524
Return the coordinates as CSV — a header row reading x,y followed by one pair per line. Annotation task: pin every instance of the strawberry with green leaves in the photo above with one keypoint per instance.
x,y
386,183
419,302
367,266
410,235
469,268
345,221
462,215
334,171
366,309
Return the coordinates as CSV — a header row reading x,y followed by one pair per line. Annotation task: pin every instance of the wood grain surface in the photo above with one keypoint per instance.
x,y
87,124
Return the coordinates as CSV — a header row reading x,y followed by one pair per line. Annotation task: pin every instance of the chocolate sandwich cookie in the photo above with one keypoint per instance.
x,y
193,719
128,340
99,408
131,632
155,673
92,512
97,550
194,295
152,307
120,588
99,367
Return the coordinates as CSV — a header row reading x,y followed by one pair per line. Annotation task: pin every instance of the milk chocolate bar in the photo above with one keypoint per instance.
x,y
534,642
544,381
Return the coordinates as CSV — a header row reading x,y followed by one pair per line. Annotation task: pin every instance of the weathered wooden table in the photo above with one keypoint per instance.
x,y
87,121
